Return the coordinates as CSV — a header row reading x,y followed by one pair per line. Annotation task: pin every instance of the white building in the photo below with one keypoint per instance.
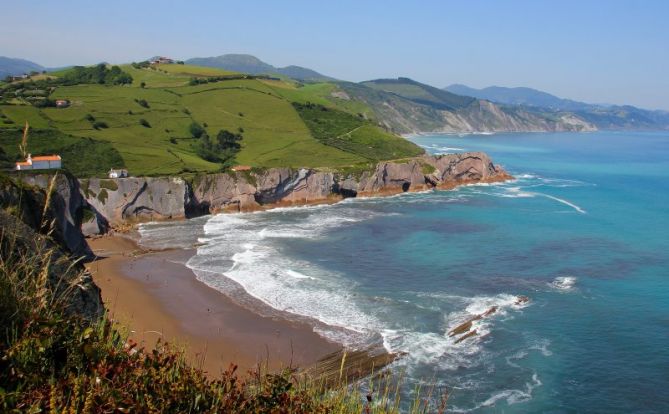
x,y
118,173
40,162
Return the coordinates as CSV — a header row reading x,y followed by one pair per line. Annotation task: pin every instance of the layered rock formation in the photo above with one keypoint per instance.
x,y
142,199
62,218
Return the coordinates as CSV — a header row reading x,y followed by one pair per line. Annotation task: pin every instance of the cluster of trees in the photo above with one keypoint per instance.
x,y
221,149
211,79
99,74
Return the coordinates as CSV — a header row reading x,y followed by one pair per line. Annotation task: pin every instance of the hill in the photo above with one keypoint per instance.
x,y
407,106
149,121
421,93
603,116
254,66
519,96
14,67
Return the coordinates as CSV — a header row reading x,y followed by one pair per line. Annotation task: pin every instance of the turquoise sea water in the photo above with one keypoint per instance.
x,y
583,232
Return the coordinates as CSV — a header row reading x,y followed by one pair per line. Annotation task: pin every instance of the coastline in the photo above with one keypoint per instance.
x,y
155,296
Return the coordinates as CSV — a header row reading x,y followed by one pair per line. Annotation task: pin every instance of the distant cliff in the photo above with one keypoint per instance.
x,y
406,106
118,201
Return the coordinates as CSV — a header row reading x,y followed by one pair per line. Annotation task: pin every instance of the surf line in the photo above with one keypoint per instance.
x,y
565,202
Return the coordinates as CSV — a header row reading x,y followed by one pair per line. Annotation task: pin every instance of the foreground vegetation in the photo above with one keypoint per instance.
x,y
145,113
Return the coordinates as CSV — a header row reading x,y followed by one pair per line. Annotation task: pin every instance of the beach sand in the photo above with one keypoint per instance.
x,y
155,296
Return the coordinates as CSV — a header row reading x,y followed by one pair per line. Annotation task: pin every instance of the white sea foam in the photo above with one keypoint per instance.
x,y
512,396
564,283
246,248
565,202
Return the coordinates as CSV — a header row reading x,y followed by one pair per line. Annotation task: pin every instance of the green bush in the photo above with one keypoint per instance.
x,y
143,122
196,130
100,125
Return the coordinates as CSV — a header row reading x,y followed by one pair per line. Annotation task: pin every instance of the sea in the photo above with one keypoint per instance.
x,y
582,231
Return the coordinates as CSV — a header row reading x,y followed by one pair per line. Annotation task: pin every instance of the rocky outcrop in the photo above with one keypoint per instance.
x,y
119,201
94,205
67,281
136,199
62,218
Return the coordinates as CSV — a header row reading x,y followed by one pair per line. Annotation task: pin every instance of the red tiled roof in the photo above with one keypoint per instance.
x,y
46,158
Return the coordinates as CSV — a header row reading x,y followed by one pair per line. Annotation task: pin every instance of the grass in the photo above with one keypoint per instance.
x,y
275,135
354,134
421,93
99,157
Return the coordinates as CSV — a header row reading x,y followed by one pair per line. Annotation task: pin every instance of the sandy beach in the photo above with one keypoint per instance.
x,y
156,297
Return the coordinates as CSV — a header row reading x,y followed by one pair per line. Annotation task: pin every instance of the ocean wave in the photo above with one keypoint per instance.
x,y
511,396
563,283
440,149
247,249
520,192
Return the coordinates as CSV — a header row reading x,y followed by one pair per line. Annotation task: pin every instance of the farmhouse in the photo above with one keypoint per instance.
x,y
40,162
62,103
161,59
241,168
121,173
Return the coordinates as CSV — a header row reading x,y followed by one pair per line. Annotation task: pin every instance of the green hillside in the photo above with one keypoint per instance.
x,y
421,93
147,122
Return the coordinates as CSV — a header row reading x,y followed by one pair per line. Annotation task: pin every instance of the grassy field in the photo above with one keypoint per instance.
x,y
275,134
99,156
354,134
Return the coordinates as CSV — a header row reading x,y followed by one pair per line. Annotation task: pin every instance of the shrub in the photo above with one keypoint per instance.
x,y
100,125
142,102
196,130
143,122
89,118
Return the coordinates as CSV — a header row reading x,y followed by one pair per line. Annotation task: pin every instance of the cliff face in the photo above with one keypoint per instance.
x,y
143,199
65,210
403,115
49,238
136,199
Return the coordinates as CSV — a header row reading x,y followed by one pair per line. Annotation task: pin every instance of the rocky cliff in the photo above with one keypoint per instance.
x,y
62,217
125,200
405,106
46,237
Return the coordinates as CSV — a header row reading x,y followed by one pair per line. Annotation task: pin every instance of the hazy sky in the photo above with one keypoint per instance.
x,y
603,51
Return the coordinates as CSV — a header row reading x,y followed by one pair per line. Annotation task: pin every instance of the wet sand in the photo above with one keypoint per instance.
x,y
156,296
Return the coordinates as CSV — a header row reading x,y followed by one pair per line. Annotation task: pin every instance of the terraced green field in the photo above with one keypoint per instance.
x,y
274,133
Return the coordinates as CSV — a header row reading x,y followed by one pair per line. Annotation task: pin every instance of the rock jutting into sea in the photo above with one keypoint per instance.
x,y
108,203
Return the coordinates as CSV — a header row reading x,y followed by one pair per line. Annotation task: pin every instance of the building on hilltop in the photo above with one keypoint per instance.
x,y
161,59
40,162
120,173
62,103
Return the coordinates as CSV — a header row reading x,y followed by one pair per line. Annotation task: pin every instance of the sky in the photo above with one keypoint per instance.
x,y
606,51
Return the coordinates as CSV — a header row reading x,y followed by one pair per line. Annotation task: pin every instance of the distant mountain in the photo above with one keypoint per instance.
x,y
254,66
519,96
406,106
603,116
12,66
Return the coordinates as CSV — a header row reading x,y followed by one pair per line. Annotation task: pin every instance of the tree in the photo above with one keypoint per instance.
x,y
221,150
196,129
228,141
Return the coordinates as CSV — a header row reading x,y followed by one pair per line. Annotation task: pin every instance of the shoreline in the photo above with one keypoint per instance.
x,y
155,296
